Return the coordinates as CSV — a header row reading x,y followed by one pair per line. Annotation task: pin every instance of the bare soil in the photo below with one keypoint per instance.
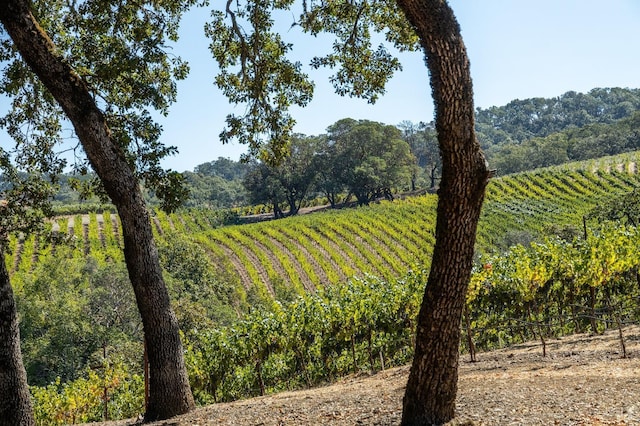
x,y
583,380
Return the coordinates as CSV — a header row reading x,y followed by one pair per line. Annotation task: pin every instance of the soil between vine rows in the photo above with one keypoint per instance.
x,y
582,381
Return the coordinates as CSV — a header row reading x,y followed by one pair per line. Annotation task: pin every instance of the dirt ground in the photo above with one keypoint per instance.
x,y
583,380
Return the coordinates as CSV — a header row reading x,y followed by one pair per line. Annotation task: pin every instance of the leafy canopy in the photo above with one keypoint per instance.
x,y
121,51
255,70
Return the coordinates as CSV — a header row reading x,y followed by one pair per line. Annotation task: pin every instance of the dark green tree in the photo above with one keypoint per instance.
x,y
370,158
224,167
214,191
328,163
423,140
105,65
264,187
297,171
289,181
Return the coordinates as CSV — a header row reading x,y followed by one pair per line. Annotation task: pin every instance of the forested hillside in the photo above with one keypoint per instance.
x,y
573,144
521,120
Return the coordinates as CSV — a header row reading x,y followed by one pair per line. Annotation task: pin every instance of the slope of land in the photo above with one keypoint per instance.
x,y
583,380
296,254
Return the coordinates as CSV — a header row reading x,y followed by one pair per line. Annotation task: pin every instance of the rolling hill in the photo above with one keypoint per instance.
x,y
299,254
225,282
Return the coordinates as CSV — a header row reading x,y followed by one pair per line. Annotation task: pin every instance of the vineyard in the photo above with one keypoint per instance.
x,y
283,258
322,295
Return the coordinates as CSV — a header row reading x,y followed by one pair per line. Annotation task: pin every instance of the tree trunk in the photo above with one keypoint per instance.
x,y
294,208
259,377
331,198
170,393
433,176
15,402
470,343
432,386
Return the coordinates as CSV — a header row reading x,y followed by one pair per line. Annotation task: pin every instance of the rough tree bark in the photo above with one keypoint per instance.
x,y
432,385
170,393
15,401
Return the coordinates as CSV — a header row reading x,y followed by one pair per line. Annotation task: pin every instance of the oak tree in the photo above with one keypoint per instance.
x,y
105,65
370,159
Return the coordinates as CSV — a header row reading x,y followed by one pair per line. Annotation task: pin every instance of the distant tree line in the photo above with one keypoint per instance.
x,y
521,120
572,144
540,132
367,160
358,159
354,156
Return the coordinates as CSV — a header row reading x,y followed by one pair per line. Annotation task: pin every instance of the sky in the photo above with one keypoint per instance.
x,y
518,49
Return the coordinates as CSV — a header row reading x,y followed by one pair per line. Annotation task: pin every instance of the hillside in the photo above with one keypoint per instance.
x,y
388,238
299,254
223,282
583,381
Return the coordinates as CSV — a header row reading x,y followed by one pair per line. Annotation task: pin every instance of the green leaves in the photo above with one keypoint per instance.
x,y
254,71
559,284
122,53
369,159
309,340
25,199
82,400
363,71
625,208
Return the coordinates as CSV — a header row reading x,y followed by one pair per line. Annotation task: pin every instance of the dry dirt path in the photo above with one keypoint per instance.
x,y
583,381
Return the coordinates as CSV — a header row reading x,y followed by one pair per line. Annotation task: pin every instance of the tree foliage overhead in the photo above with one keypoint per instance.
x,y
255,72
122,54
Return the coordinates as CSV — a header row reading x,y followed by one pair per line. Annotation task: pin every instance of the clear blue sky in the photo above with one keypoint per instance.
x,y
518,49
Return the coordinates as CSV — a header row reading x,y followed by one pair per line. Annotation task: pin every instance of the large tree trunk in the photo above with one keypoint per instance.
x,y
15,402
431,390
170,393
